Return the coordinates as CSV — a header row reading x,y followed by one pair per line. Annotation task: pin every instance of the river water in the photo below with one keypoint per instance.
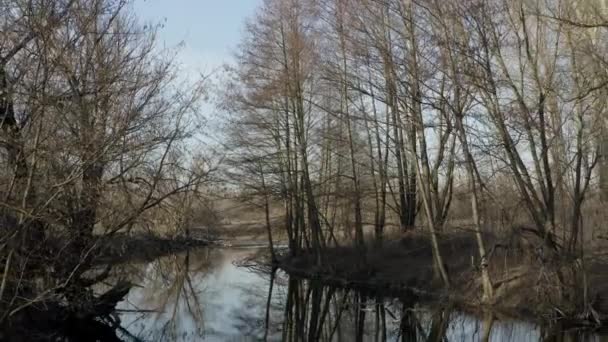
x,y
215,295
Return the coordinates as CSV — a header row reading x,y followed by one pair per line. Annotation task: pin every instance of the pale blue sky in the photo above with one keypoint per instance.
x,y
210,29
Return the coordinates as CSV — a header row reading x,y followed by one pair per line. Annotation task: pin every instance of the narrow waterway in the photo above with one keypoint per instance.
x,y
215,295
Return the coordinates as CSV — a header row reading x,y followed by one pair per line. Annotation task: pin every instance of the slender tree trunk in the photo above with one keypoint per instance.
x,y
488,287
267,216
422,162
438,259
405,208
603,166
359,239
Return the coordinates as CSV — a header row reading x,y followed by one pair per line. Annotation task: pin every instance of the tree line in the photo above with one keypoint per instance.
x,y
371,113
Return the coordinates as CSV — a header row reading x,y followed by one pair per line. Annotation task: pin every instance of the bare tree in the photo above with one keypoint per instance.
x,y
94,119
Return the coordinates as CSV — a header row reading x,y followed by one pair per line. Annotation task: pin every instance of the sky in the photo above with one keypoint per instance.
x,y
209,29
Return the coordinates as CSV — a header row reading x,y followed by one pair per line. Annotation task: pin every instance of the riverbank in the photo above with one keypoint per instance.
x,y
145,247
523,286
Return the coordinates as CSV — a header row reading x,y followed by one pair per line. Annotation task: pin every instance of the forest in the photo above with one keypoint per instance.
x,y
472,130
443,149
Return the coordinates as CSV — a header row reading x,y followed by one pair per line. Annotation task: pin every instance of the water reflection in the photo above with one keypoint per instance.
x,y
317,313
204,295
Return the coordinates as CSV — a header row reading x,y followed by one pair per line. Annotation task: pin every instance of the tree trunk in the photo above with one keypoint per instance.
x,y
603,161
267,216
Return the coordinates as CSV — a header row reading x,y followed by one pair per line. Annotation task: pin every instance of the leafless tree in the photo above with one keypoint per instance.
x,y
93,123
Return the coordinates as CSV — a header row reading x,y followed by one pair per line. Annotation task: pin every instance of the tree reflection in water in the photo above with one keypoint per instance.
x,y
169,297
314,312
204,295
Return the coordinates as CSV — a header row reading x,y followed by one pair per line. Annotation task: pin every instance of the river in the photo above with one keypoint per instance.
x,y
214,294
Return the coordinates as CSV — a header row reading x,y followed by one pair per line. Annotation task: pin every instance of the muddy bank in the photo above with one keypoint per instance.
x,y
524,285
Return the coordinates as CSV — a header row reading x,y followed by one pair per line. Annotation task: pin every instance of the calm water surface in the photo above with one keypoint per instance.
x,y
206,295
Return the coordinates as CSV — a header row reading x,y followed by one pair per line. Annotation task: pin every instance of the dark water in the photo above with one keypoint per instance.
x,y
204,295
